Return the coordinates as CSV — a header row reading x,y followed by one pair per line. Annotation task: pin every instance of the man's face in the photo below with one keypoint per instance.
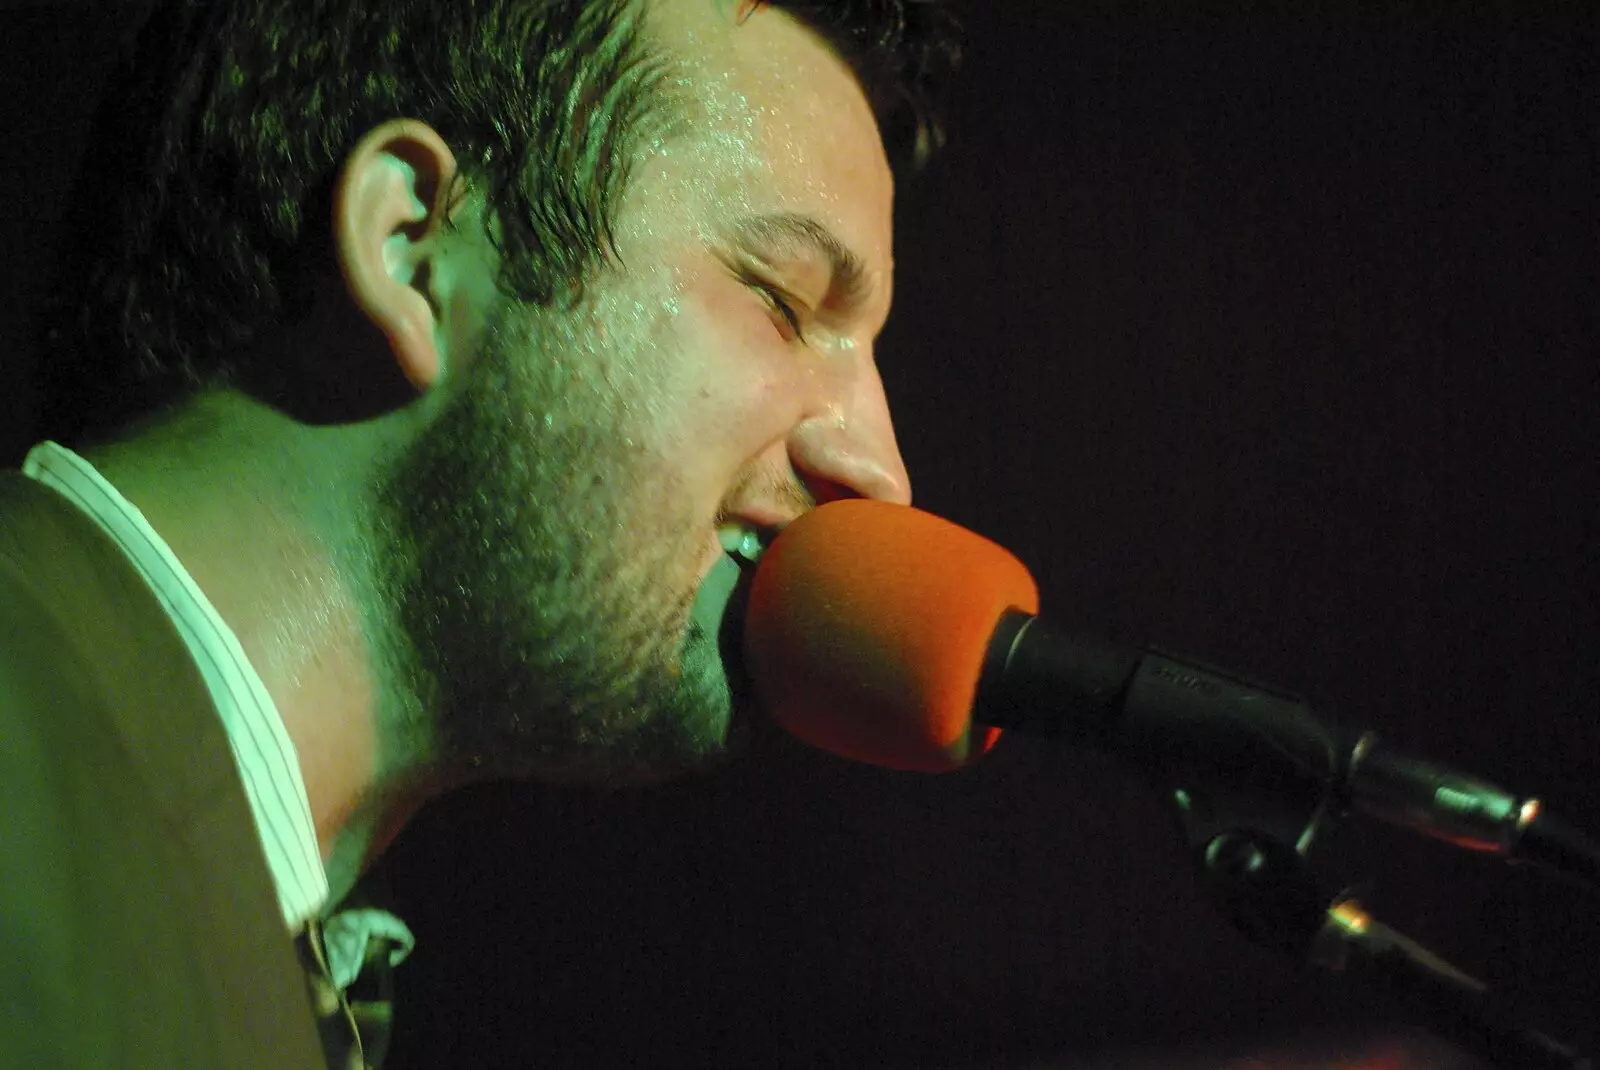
x,y
555,532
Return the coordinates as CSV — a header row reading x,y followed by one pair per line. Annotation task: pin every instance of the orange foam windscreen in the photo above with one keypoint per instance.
x,y
867,628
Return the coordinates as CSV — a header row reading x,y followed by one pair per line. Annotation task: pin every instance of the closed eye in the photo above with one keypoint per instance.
x,y
780,303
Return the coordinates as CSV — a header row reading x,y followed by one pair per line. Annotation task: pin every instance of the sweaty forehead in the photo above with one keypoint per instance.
x,y
774,122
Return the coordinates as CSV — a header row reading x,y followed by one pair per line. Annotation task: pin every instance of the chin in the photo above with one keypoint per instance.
x,y
699,726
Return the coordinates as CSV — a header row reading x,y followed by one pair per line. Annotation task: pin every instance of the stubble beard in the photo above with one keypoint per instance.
x,y
540,573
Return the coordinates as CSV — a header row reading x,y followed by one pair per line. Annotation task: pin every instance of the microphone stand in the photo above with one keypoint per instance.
x,y
1281,773
1267,890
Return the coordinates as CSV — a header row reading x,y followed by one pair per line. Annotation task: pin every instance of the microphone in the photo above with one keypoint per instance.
x,y
889,636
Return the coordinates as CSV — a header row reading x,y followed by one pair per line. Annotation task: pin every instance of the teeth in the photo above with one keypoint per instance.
x,y
741,541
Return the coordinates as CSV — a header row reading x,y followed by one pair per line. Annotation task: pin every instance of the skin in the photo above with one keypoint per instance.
x,y
533,480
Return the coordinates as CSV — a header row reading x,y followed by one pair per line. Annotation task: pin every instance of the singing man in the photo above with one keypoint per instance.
x,y
430,369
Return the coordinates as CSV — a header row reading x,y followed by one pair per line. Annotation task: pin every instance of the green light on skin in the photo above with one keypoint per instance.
x,y
716,591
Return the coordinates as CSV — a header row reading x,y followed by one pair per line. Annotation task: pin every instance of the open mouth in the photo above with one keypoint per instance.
x,y
743,543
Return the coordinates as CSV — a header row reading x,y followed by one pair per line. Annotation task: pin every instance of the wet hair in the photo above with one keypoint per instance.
x,y
197,227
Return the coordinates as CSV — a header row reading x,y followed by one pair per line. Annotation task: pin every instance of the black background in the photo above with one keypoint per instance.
x,y
1271,339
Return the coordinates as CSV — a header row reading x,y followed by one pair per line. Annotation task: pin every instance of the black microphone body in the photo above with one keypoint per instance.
x,y
1243,746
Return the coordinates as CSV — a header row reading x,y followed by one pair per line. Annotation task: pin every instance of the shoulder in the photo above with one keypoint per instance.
x,y
79,627
74,807
41,666
134,907
59,771
65,594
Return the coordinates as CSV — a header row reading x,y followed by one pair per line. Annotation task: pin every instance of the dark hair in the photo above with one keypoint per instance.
x,y
221,133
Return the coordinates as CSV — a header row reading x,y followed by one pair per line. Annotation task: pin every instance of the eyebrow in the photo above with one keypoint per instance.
x,y
784,234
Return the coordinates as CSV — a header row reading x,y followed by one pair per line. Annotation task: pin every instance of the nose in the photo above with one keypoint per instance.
x,y
846,447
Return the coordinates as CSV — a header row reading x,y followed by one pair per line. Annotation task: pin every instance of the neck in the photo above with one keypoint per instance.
x,y
265,514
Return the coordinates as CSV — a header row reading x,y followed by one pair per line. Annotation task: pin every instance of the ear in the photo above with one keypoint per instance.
x,y
390,207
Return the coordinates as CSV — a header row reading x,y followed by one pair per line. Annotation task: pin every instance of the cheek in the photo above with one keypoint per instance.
x,y
733,355
731,324
738,386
